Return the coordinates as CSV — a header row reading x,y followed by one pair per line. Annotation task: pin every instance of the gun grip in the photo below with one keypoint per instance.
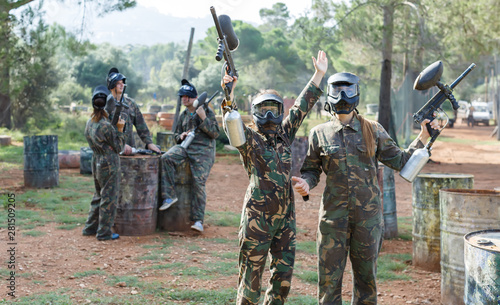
x,y
306,197
432,132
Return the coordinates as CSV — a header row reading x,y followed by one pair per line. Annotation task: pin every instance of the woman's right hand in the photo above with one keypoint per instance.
x,y
227,79
300,185
120,125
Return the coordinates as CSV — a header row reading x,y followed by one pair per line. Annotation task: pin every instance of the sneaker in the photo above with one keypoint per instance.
x,y
198,226
113,237
167,203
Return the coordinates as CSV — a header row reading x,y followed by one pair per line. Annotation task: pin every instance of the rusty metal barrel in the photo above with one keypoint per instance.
x,y
41,161
178,216
165,139
389,203
482,267
86,154
69,159
462,211
426,217
136,212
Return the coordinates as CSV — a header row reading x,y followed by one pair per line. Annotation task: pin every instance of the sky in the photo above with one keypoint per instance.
x,y
160,21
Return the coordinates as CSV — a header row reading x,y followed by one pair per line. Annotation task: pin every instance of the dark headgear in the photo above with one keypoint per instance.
x,y
99,97
346,100
113,77
269,118
187,89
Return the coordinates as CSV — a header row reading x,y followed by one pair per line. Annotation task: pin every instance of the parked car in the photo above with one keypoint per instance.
x,y
479,113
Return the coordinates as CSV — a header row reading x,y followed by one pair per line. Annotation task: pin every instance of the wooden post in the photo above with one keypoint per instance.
x,y
184,76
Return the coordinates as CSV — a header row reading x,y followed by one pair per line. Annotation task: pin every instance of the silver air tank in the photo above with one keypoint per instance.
x,y
188,139
233,126
415,164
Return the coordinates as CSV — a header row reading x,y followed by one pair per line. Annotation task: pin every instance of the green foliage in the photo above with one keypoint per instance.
x,y
89,273
307,246
222,219
215,297
405,227
390,267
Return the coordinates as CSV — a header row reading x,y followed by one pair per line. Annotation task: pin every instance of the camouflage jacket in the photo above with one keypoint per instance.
x,y
351,177
134,118
268,158
205,135
103,138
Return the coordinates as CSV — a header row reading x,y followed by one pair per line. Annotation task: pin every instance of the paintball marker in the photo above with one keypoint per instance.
x,y
199,102
119,106
141,151
232,122
428,78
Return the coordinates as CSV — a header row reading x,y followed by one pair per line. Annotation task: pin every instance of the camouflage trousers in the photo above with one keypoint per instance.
x,y
262,235
362,241
200,169
104,202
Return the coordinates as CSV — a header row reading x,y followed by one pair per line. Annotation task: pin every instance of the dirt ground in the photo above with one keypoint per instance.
x,y
53,259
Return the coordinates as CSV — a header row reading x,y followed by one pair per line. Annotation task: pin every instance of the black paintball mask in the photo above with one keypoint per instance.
x,y
343,93
187,89
113,77
99,97
267,112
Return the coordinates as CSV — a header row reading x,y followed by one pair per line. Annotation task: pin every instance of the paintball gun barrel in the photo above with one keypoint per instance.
x,y
200,102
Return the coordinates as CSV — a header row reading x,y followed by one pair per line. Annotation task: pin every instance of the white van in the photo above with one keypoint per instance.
x,y
480,113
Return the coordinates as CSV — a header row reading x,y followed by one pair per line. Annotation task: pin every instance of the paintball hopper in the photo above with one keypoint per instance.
x,y
200,100
227,30
429,77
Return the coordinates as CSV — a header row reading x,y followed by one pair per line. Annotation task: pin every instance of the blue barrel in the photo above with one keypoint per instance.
x,y
390,215
41,162
482,267
86,160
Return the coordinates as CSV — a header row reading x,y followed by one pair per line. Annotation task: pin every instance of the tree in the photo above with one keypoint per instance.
x,y
276,17
7,40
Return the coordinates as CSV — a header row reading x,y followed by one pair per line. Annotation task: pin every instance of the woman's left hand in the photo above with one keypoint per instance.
x,y
424,133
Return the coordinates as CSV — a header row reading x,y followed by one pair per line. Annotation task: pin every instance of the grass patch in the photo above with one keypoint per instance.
x,y
68,227
212,271
59,297
174,266
226,255
307,246
308,276
302,300
131,281
203,296
34,233
222,219
466,141
390,267
12,154
405,228
89,273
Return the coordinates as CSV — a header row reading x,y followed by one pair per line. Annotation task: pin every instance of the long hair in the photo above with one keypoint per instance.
x,y
368,134
98,114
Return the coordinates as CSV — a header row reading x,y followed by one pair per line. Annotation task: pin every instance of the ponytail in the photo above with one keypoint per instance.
x,y
367,128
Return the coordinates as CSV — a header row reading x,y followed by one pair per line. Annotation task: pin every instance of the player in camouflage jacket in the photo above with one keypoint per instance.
x,y
200,153
106,141
268,224
347,149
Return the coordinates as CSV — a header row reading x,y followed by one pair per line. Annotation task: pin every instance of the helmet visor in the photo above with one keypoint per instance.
x,y
263,108
350,90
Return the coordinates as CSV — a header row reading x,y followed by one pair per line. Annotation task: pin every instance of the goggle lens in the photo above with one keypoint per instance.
x,y
350,90
268,106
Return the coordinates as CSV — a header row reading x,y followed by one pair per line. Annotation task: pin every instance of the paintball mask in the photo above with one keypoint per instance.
x,y
113,77
99,97
267,111
343,93
187,89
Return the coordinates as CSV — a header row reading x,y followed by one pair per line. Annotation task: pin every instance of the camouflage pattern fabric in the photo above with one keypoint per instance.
x,y
268,218
133,117
201,156
351,215
106,142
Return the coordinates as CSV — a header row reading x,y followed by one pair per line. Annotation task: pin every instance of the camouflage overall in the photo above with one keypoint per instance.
x,y
351,215
133,117
106,142
201,156
268,216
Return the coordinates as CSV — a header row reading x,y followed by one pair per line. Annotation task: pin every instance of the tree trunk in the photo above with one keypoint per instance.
x,y
384,114
5,105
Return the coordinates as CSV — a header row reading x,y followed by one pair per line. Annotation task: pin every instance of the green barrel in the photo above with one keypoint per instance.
x,y
41,161
178,216
165,140
136,212
482,267
86,160
389,204
462,211
426,217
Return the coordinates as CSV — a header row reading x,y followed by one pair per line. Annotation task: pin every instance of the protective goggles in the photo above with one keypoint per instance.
x,y
269,106
350,90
